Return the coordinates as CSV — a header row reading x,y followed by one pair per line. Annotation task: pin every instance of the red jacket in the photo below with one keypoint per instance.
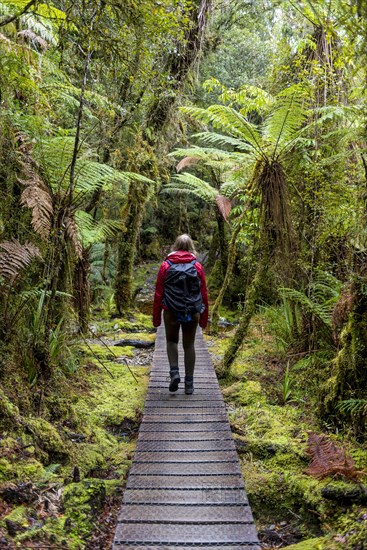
x,y
178,257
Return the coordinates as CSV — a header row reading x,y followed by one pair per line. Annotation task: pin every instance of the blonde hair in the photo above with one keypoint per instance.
x,y
184,242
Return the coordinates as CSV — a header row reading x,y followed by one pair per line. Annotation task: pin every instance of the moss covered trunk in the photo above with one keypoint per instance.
x,y
127,247
250,305
223,245
82,298
349,380
230,266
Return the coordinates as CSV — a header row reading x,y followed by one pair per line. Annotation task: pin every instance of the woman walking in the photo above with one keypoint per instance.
x,y
182,294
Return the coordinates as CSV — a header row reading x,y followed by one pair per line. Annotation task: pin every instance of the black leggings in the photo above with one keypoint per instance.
x,y
172,326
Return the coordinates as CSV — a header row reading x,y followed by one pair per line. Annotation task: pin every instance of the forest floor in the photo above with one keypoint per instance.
x,y
64,463
273,415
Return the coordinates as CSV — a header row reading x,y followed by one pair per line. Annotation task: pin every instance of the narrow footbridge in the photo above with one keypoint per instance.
x,y
185,488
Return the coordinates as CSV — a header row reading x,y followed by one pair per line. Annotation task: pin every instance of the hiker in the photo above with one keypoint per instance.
x,y
182,294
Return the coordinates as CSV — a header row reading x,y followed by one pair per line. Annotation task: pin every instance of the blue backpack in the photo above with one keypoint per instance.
x,y
182,293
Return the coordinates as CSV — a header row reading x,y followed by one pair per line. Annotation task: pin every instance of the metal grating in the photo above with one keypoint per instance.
x,y
185,488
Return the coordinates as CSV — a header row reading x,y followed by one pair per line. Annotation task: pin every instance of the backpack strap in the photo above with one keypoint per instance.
x,y
169,262
193,262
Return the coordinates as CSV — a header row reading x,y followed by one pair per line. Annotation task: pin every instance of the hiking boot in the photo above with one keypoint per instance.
x,y
175,380
189,385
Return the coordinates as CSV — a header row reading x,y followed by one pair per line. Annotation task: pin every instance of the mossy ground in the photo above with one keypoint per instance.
x,y
271,407
86,428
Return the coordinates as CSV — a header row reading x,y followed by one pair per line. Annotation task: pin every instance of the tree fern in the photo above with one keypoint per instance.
x,y
228,120
91,231
353,406
286,118
321,311
222,140
15,257
188,184
55,155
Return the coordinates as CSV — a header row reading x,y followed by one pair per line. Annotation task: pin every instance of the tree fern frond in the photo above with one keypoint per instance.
x,y
36,194
322,312
91,231
72,94
184,190
229,188
72,234
222,140
224,206
90,175
37,197
286,119
195,182
353,406
55,155
15,257
250,98
232,122
186,162
41,27
228,120
188,184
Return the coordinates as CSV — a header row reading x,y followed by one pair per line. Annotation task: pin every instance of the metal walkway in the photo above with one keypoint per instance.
x,y
185,488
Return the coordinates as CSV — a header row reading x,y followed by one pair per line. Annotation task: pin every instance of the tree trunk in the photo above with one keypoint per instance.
x,y
178,63
82,290
250,306
127,246
349,378
230,266
213,249
223,245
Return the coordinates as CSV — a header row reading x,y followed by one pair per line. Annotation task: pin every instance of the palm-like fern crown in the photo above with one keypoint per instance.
x,y
283,118
46,169
214,164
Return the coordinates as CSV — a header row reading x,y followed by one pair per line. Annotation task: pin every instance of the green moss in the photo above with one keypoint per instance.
x,y
47,438
360,458
320,543
79,499
56,532
245,393
27,470
107,353
5,469
18,515
9,413
135,321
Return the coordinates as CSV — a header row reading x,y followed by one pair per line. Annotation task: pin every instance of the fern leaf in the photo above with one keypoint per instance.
x,y
91,231
15,257
286,119
186,162
328,459
229,188
36,196
353,406
189,184
212,138
250,98
228,120
322,312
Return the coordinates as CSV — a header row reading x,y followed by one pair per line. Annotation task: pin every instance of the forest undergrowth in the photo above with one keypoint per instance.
x,y
63,470
63,466
272,405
